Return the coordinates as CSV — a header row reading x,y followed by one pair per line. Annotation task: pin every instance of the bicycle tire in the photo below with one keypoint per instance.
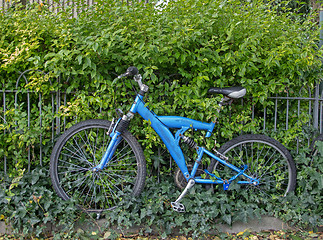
x,y
267,159
75,154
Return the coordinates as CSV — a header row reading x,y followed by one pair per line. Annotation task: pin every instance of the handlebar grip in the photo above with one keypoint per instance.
x,y
131,71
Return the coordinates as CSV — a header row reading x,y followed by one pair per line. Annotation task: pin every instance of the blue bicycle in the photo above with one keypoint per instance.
x,y
96,161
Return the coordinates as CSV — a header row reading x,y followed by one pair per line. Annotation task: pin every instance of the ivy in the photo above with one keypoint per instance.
x,y
28,202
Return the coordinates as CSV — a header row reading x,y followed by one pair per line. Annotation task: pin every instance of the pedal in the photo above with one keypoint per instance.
x,y
178,207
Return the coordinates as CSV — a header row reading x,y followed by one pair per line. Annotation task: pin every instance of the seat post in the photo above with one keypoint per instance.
x,y
221,104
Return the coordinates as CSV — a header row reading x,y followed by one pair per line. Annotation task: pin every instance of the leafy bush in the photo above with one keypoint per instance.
x,y
181,49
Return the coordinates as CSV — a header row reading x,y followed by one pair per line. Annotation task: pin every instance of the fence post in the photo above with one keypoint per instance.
x,y
318,87
316,107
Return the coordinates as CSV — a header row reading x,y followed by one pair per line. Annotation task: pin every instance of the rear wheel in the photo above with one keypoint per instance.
x,y
79,150
267,160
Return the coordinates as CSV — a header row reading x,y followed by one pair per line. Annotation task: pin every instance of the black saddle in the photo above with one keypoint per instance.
x,y
231,92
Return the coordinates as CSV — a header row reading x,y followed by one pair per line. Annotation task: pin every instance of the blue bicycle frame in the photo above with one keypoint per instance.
x,y
162,125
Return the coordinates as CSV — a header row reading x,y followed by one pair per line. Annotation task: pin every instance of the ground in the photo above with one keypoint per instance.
x,y
246,235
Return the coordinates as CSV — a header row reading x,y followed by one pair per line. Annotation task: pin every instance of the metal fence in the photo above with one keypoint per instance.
x,y
283,112
76,6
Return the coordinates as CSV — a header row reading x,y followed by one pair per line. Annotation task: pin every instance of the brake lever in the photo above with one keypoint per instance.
x,y
123,75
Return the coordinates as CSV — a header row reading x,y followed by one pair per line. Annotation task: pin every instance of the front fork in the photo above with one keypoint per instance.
x,y
115,140
116,137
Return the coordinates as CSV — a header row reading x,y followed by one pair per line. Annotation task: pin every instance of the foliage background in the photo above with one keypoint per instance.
x,y
182,50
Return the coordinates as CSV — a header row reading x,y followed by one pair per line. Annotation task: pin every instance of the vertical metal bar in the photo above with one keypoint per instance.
x,y
56,7
53,112
16,99
64,106
309,106
320,87
265,112
275,118
321,116
316,107
253,112
4,119
242,122
41,135
321,31
309,113
298,113
73,12
158,168
28,113
58,122
321,112
287,110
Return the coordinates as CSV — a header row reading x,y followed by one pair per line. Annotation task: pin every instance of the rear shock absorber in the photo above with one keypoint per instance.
x,y
190,142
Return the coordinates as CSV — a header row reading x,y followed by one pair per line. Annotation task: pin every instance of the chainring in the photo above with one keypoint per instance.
x,y
179,178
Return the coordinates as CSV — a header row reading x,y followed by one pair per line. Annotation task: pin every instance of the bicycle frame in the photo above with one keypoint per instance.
x,y
162,125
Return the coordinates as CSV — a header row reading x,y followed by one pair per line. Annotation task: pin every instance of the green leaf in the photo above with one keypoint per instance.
x,y
34,179
227,219
79,59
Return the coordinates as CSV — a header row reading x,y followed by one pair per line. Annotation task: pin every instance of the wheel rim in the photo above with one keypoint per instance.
x,y
265,162
95,191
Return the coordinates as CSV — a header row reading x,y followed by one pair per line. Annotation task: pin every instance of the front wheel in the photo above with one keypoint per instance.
x,y
267,160
79,150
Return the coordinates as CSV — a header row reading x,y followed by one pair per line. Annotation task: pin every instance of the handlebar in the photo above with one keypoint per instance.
x,y
133,71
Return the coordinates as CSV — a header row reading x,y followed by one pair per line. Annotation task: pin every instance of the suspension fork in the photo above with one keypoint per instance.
x,y
116,137
115,140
